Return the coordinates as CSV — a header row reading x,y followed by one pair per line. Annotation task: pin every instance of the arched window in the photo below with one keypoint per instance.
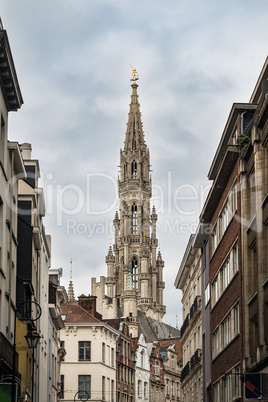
x,y
146,390
134,219
134,170
125,170
135,273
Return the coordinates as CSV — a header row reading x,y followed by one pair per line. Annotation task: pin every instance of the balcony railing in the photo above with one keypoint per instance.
x,y
194,307
195,359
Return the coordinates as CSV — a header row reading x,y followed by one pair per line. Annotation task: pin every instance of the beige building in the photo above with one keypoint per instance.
x,y
90,361
188,280
134,280
254,211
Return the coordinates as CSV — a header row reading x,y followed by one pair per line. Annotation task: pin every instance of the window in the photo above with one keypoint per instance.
x,y
62,386
226,331
112,391
237,382
235,259
225,275
214,239
236,320
103,388
156,367
215,291
152,393
84,350
172,389
84,384
112,357
145,390
216,342
103,352
216,392
156,394
167,391
135,273
139,388
142,358
227,388
224,219
177,390
134,219
134,170
207,294
234,199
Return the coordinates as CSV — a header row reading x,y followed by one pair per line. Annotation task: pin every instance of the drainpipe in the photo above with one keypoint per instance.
x,y
10,246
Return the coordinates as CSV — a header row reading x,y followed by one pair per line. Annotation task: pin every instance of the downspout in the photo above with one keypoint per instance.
x,y
10,246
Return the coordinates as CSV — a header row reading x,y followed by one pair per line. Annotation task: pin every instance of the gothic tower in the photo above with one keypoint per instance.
x,y
134,270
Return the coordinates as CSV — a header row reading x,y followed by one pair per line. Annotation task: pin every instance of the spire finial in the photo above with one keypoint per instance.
x,y
135,75
71,297
71,268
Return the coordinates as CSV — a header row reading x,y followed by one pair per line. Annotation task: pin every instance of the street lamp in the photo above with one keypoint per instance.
x,y
82,395
32,337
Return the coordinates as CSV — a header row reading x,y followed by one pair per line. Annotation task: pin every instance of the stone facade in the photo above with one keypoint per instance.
x,y
134,278
188,280
90,361
142,369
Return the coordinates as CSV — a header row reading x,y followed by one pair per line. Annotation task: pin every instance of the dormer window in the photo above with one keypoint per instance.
x,y
134,170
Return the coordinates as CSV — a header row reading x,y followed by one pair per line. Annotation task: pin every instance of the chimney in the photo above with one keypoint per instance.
x,y
88,303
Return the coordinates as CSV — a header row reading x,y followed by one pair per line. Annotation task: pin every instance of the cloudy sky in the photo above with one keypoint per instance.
x,y
194,58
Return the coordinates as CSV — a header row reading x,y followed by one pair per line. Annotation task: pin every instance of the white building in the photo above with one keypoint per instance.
x,y
142,376
90,361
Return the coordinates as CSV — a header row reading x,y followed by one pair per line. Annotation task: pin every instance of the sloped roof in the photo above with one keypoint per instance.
x,y
76,314
154,330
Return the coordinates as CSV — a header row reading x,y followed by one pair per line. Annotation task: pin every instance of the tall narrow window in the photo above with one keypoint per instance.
x,y
156,367
103,388
134,218
135,273
84,350
142,358
134,170
103,352
84,384
125,170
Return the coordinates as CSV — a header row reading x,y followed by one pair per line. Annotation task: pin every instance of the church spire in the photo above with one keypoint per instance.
x,y
134,134
71,297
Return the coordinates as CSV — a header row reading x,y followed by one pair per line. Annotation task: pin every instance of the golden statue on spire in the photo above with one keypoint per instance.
x,y
135,75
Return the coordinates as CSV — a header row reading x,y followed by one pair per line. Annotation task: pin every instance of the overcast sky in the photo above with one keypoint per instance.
x,y
195,58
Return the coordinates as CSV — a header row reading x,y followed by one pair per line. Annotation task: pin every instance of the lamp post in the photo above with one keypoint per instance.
x,y
32,337
82,395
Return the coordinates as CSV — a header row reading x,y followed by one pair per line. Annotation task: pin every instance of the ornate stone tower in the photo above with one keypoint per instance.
x,y
134,273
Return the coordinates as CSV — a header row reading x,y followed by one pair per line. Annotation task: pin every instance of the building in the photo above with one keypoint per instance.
x,y
57,296
90,361
233,237
11,169
134,280
142,369
171,352
188,280
157,380
254,232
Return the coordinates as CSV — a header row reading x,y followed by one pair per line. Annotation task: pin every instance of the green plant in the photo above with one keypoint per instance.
x,y
242,141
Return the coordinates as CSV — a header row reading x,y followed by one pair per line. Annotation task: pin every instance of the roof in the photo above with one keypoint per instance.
x,y
76,314
154,330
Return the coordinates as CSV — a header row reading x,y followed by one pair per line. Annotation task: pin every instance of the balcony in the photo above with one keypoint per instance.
x,y
194,308
190,365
